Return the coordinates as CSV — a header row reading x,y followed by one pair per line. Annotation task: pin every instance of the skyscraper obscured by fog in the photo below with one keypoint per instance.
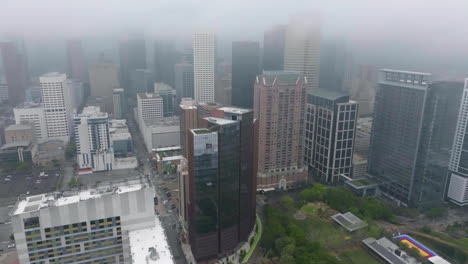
x,y
245,67
279,107
413,128
335,65
15,71
273,48
204,58
184,83
302,48
141,81
103,79
132,54
77,68
165,59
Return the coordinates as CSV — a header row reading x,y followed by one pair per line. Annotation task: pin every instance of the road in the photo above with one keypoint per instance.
x,y
168,218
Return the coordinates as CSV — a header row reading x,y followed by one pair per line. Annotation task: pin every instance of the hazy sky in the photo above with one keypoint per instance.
x,y
430,31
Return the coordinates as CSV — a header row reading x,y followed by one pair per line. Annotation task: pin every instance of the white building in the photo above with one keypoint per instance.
x,y
204,57
56,100
150,107
458,167
94,225
161,133
32,113
93,146
302,48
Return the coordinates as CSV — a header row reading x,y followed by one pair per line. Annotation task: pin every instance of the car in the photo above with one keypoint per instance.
x,y
38,181
7,223
9,176
12,245
8,180
41,174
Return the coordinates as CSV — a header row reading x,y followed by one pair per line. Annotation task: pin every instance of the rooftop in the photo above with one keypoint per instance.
x,y
163,122
220,121
149,96
118,90
200,131
92,111
15,144
18,127
149,246
34,104
121,136
287,78
53,74
55,199
324,93
235,110
349,221
407,72
389,251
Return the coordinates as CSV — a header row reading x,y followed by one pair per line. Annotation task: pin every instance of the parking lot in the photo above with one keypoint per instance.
x,y
14,184
169,193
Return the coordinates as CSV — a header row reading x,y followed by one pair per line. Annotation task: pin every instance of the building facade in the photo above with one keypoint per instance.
x,y
165,59
204,58
273,48
141,81
15,72
245,67
120,103
188,120
93,146
184,82
169,98
77,66
279,107
458,167
302,48
78,226
32,113
149,106
56,101
132,55
330,130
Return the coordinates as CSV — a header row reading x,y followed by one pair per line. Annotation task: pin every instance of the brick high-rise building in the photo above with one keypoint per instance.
x,y
279,106
188,120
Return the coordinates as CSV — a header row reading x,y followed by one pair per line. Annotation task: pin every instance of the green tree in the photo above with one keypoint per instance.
x,y
287,202
70,151
436,212
287,259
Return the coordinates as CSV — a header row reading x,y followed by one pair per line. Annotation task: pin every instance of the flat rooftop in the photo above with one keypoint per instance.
x,y
324,93
149,96
407,72
235,110
149,246
200,131
55,199
220,121
92,111
27,105
349,221
18,127
388,250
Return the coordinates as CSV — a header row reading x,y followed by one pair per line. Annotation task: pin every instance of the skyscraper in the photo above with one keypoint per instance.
x,y
15,72
302,48
458,168
141,81
93,140
77,68
120,103
245,67
335,65
184,83
165,59
273,48
411,136
169,98
132,53
150,107
56,100
188,120
279,107
204,58
330,131
103,78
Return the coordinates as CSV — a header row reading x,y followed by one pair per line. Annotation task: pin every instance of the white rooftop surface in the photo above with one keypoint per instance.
x,y
438,260
92,111
173,158
168,148
220,121
407,72
141,241
120,136
235,110
33,203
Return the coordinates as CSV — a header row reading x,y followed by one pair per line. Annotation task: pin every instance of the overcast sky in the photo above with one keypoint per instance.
x,y
432,30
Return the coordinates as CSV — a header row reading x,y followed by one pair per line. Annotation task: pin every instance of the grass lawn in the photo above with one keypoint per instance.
x,y
309,209
357,255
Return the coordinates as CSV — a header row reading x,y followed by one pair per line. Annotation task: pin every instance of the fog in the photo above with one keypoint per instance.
x,y
428,35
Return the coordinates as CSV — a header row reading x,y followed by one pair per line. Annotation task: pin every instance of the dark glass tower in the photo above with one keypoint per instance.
x,y
132,51
184,81
273,48
15,72
165,58
245,67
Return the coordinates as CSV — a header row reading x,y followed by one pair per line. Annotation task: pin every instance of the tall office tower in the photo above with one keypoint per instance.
x,y
335,65
77,67
56,100
458,167
184,81
150,107
85,225
410,122
93,140
279,107
330,130
273,48
362,88
188,120
132,54
165,59
141,81
204,58
3,90
103,78
78,96
169,98
245,67
15,72
32,113
120,103
302,49
247,178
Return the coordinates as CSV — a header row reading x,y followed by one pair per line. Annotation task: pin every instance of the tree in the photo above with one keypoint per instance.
x,y
287,202
70,151
242,254
287,259
73,182
436,212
